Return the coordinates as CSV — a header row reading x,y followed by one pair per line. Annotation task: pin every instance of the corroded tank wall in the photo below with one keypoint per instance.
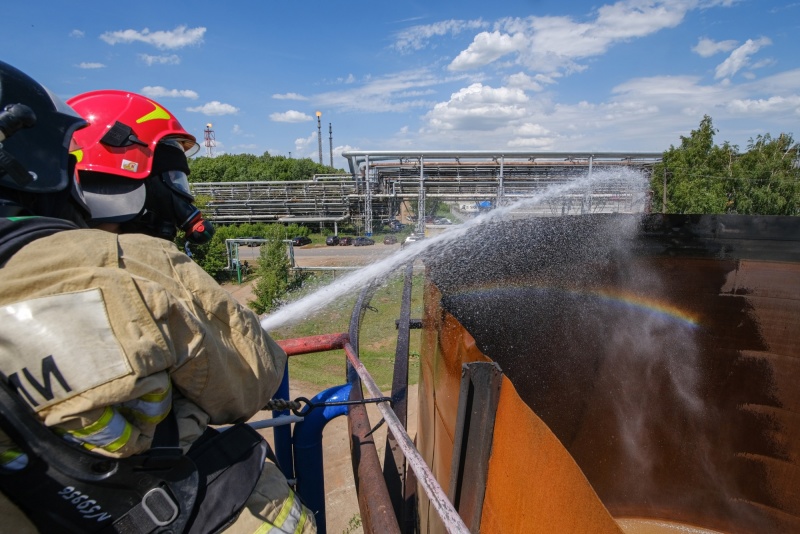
x,y
652,368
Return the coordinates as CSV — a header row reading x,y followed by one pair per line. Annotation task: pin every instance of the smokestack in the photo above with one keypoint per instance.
x,y
319,135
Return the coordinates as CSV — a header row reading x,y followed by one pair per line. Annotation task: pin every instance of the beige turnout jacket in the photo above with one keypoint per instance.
x,y
102,333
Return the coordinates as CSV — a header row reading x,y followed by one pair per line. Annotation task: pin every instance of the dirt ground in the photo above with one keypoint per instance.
x,y
341,503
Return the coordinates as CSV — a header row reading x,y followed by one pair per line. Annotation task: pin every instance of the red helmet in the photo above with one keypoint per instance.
x,y
124,129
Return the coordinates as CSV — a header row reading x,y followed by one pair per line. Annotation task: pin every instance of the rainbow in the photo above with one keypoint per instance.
x,y
633,301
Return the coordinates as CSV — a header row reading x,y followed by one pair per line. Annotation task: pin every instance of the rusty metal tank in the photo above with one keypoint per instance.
x,y
650,373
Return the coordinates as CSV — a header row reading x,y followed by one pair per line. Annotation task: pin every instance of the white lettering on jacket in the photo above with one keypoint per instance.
x,y
53,348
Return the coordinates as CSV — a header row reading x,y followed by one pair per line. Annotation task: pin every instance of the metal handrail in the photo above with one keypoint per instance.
x,y
376,503
452,521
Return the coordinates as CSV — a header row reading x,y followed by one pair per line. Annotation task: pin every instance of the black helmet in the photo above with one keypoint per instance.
x,y
36,129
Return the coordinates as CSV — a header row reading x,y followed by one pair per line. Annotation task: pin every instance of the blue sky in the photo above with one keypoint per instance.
x,y
516,75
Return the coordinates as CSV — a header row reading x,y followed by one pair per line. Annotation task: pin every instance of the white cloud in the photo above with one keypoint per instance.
x,y
157,92
740,57
768,62
478,107
707,47
417,37
90,65
172,59
215,108
529,83
555,44
290,116
531,143
77,34
532,130
645,114
487,47
177,38
772,105
303,146
289,96
396,92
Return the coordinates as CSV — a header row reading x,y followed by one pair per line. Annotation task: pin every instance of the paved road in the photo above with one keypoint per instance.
x,y
325,256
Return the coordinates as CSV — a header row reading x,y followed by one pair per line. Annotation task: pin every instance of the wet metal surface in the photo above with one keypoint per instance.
x,y
663,354
477,407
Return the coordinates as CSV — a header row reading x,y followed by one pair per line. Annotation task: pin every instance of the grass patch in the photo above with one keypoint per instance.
x,y
378,335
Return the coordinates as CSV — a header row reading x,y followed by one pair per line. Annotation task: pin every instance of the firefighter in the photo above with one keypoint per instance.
x,y
107,336
132,162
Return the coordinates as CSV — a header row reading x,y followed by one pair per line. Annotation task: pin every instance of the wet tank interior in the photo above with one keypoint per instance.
x,y
649,373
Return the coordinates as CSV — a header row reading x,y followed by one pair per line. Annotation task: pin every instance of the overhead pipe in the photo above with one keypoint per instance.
x,y
355,157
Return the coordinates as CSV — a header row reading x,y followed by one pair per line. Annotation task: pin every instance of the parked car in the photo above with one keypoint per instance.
x,y
332,240
301,240
345,240
412,239
395,225
253,243
363,241
389,240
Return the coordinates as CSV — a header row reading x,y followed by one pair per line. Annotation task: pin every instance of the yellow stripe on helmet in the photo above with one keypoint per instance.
x,y
157,113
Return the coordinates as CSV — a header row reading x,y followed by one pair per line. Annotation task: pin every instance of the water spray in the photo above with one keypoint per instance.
x,y
296,311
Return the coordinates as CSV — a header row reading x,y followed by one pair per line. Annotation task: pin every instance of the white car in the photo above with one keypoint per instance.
x,y
412,238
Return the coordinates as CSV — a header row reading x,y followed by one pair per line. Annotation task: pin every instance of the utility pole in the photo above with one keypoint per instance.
x,y
330,140
319,134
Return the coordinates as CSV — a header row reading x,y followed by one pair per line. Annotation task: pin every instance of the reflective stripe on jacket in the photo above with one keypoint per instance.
x,y
290,520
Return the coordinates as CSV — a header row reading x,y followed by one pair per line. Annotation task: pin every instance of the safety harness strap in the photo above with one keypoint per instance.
x,y
157,509
67,489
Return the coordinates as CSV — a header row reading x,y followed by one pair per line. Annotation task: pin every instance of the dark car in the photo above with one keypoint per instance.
x,y
389,240
332,240
395,225
363,241
345,240
301,240
253,243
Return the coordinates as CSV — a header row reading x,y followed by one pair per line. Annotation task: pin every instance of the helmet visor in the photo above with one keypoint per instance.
x,y
178,182
188,146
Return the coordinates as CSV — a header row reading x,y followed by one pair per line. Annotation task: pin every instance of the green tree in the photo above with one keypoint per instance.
x,y
702,177
248,168
768,177
698,174
273,276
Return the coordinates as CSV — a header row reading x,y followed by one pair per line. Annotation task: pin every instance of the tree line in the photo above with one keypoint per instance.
x,y
702,177
248,167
